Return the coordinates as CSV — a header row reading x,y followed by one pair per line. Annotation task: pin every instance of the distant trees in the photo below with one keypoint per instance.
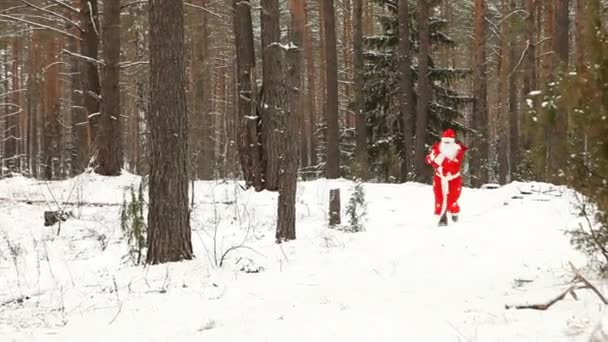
x,y
352,89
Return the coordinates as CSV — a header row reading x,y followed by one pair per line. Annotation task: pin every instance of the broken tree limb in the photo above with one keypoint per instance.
x,y
543,306
576,284
588,284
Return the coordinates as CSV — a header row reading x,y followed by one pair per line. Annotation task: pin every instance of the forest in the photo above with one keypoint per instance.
x,y
273,92
264,170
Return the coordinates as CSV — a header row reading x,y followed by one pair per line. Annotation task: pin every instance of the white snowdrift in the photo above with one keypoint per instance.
x,y
404,279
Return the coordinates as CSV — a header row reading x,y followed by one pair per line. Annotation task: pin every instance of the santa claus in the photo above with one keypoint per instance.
x,y
446,158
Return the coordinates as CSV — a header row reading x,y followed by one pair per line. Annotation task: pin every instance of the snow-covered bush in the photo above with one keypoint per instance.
x,y
133,224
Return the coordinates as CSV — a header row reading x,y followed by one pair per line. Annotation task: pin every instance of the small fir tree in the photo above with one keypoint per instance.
x,y
133,224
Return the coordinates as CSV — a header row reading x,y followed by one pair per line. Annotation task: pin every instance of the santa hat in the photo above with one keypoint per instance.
x,y
448,135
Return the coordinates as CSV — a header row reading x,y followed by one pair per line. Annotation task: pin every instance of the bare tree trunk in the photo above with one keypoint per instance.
x,y
559,137
90,48
362,156
108,140
579,33
331,111
501,117
406,89
34,97
312,93
424,87
322,103
286,224
78,112
529,67
513,99
169,233
52,129
12,121
273,94
249,135
561,29
479,144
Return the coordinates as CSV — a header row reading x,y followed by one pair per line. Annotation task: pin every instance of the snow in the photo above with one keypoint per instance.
x,y
403,279
535,93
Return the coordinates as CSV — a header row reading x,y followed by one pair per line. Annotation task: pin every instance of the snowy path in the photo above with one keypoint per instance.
x,y
403,279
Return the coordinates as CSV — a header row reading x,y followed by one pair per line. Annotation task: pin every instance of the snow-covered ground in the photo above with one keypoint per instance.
x,y
403,279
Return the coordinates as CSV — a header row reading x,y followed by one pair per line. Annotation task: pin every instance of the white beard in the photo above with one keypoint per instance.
x,y
449,150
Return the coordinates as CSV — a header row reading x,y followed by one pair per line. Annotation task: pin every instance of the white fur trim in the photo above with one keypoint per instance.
x,y
448,140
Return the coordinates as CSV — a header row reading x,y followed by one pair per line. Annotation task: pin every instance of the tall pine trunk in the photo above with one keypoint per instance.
x,y
331,110
312,92
424,87
406,91
286,224
513,99
362,157
169,233
108,140
250,152
479,144
273,102
90,77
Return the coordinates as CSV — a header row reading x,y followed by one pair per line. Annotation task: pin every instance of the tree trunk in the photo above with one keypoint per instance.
x,y
322,98
502,92
513,100
529,69
312,93
108,140
406,91
479,144
561,40
250,152
90,77
579,33
169,234
273,105
331,112
286,224
561,28
548,31
12,121
79,115
34,99
362,157
424,87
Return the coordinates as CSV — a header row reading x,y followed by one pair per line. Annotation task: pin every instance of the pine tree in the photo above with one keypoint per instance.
x,y
382,89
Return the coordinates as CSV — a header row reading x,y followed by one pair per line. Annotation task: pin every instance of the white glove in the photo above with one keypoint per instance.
x,y
439,159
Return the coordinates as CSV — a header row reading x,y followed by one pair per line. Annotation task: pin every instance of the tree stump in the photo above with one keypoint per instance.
x,y
52,217
334,207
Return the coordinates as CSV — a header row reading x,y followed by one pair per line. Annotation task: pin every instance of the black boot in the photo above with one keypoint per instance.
x,y
443,221
455,218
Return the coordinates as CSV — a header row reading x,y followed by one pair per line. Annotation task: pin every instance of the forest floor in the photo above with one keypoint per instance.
x,y
403,279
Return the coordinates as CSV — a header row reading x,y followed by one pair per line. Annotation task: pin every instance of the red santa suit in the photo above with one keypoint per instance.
x,y
446,157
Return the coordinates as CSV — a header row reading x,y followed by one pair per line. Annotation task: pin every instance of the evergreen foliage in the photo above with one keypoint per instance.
x,y
356,209
381,79
584,97
133,225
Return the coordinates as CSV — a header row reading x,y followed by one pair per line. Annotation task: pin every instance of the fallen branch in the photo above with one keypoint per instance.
x,y
543,306
588,284
576,285
63,204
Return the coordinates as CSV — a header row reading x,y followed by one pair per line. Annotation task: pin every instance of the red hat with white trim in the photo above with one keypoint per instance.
x,y
448,134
